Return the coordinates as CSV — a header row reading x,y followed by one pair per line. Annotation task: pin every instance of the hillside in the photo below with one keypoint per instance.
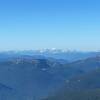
x,y
84,87
35,78
77,95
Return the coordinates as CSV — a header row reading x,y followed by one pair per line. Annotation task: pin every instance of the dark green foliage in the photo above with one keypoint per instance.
x,y
81,87
77,95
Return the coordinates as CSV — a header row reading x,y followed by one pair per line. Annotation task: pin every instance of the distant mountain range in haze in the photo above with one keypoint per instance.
x,y
52,53
31,75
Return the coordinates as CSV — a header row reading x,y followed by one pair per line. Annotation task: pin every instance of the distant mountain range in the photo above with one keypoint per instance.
x,y
67,55
35,77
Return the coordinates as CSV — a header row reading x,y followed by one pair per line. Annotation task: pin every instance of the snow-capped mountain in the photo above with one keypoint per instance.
x,y
52,53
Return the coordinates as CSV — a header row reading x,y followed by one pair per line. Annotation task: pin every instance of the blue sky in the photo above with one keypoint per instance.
x,y
35,24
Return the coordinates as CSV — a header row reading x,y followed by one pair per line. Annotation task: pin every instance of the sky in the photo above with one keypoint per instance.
x,y
62,24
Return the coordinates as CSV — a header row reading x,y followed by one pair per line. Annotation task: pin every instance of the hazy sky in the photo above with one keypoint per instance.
x,y
34,24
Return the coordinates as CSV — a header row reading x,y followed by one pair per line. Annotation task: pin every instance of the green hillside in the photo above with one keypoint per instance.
x,y
77,95
84,87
